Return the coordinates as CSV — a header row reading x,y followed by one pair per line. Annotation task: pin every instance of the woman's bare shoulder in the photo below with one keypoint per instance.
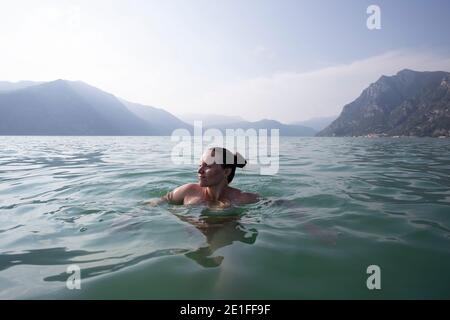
x,y
178,194
244,197
249,197
187,188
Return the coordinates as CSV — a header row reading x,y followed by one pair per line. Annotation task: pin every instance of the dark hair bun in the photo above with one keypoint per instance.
x,y
239,160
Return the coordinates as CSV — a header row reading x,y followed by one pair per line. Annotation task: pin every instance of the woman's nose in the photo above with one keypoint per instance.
x,y
200,170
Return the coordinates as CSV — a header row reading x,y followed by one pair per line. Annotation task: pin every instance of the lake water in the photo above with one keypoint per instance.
x,y
336,206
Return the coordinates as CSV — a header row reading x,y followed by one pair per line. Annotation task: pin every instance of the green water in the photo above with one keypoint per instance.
x,y
336,206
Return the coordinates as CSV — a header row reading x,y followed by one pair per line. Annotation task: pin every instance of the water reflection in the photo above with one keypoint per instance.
x,y
219,231
41,257
88,272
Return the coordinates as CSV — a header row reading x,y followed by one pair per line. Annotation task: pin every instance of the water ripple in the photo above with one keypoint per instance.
x,y
335,207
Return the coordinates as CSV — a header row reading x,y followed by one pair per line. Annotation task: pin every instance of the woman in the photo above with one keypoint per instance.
x,y
216,171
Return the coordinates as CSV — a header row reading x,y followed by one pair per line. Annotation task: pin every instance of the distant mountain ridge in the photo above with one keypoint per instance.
x,y
284,129
317,124
410,103
9,86
162,121
221,122
210,120
64,107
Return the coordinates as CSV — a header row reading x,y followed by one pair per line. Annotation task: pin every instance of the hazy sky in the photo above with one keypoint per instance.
x,y
285,60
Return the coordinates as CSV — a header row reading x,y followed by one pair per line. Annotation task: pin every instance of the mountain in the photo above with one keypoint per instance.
x,y
160,120
64,107
221,122
10,86
67,108
285,129
316,123
210,120
410,103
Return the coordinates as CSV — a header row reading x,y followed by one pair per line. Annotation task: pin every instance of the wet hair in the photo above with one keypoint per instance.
x,y
227,159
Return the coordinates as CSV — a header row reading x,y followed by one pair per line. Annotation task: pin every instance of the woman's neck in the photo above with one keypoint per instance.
x,y
214,193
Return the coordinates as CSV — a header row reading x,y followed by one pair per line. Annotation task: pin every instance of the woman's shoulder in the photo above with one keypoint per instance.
x,y
244,197
189,187
249,197
178,194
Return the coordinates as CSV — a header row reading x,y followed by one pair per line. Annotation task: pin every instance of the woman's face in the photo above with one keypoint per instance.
x,y
209,172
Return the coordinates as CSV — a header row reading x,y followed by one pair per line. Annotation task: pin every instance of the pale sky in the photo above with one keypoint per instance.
x,y
287,60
